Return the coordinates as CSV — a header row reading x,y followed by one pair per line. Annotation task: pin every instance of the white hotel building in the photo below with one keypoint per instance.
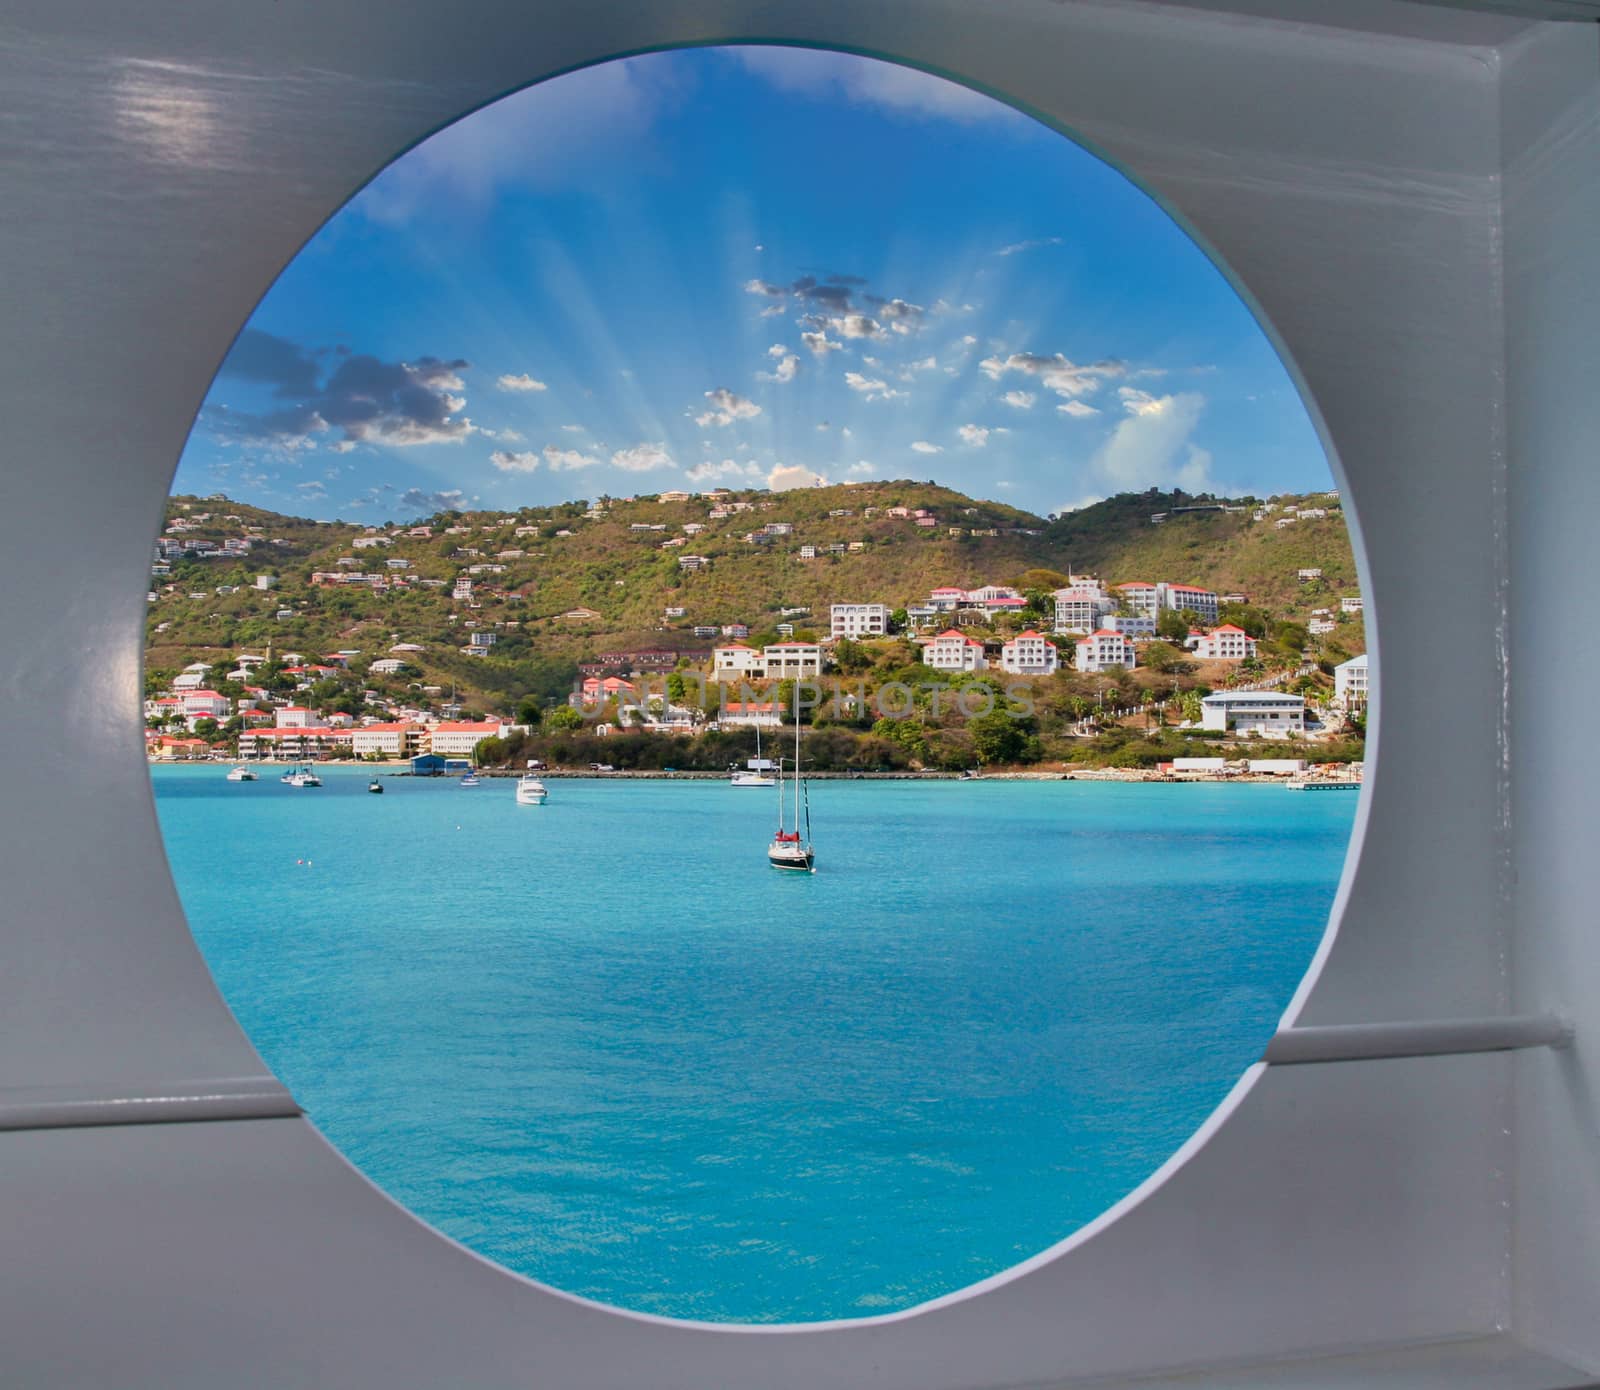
x,y
1081,607
1029,654
736,662
1253,711
1351,685
1225,643
954,651
1103,649
859,619
1150,599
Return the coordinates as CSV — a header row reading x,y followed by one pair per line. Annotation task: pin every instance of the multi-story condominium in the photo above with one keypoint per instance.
x,y
1253,711
1321,627
793,660
1350,605
736,662
1029,654
947,599
298,717
1187,596
463,589
1225,643
396,740
482,639
1350,684
461,739
1150,599
1080,608
693,562
988,593
954,651
1306,575
1103,649
738,631
205,704
921,614
859,619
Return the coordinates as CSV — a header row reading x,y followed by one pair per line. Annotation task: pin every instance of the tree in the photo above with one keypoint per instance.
x,y
851,656
998,737
1170,623
1166,659
529,713
563,717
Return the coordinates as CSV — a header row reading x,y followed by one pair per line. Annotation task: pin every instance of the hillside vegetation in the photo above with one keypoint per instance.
x,y
205,608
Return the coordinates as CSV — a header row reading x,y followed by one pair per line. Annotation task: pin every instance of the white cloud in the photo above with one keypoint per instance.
x,y
819,344
788,365
857,326
863,468
785,477
567,460
1078,410
507,462
726,407
642,458
975,435
1056,373
1028,245
871,388
1151,447
574,429
520,382
503,436
922,446
1021,400
709,472
766,291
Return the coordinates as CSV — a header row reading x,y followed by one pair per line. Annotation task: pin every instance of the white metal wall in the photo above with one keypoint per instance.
x,y
157,170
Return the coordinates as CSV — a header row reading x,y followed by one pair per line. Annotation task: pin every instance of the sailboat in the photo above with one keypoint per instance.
x,y
755,773
789,848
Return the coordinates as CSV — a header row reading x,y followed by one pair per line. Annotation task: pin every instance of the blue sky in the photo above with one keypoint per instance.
x,y
745,267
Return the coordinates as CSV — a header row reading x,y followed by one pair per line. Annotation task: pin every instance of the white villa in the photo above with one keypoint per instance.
x,y
1253,712
793,660
1351,684
859,619
1103,649
1225,643
1029,654
954,651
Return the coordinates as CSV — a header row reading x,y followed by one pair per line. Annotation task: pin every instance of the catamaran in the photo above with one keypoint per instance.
x,y
301,777
789,848
242,774
755,773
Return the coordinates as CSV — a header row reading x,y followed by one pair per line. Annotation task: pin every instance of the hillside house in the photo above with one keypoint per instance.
x,y
1029,654
1225,643
954,651
1103,649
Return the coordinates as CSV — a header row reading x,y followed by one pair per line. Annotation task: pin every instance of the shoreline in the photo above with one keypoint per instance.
x,y
402,768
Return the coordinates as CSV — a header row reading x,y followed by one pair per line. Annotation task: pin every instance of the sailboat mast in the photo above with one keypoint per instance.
x,y
797,757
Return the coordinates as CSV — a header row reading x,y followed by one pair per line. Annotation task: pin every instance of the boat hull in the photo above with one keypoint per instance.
x,y
790,857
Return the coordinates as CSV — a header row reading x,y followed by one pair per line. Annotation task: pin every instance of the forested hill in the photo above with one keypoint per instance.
x,y
620,567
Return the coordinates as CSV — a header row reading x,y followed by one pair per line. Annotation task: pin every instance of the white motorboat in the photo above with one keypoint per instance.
x,y
241,774
789,848
470,780
531,791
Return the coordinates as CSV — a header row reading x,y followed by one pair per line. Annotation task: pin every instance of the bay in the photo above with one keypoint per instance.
x,y
601,1042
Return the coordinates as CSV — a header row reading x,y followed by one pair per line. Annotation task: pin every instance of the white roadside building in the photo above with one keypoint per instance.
x,y
954,651
1103,649
1269,712
1029,654
1351,684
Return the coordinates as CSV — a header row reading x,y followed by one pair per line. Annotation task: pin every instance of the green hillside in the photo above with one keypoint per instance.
x,y
623,573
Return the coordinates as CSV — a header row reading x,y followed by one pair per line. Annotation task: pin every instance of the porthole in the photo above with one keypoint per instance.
x,y
996,394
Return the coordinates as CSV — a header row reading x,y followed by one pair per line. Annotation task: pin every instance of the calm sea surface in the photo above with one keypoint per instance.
x,y
602,1042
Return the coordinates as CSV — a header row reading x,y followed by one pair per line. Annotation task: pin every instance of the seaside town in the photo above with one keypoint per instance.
x,y
1053,670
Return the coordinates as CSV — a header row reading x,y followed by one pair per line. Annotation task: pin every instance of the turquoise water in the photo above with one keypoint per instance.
x,y
601,1042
